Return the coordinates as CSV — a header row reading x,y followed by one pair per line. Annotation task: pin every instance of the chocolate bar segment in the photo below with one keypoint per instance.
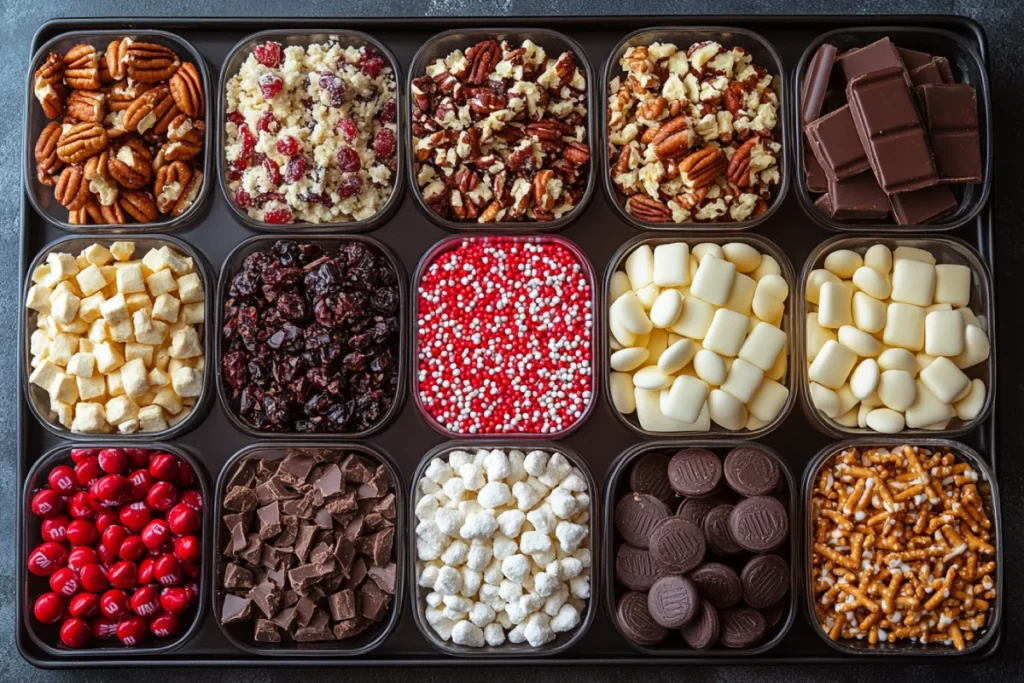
x,y
858,198
891,131
922,206
913,59
833,139
815,85
928,73
951,116
814,174
879,55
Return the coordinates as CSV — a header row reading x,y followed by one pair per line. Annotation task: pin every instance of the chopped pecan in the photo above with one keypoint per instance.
x,y
87,105
739,166
71,190
421,89
647,209
80,141
702,167
97,174
132,165
46,149
151,63
733,97
189,194
542,199
116,58
652,108
692,199
187,89
576,153
673,138
121,95
91,211
82,68
484,101
490,214
483,57
139,204
565,67
113,214
48,86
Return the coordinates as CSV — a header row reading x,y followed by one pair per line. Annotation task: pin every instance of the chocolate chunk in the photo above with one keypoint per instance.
x,y
696,509
673,601
741,627
765,580
635,568
879,55
373,601
267,597
234,518
380,551
386,507
243,476
650,475
635,620
694,472
913,59
253,550
922,206
240,499
815,83
266,632
702,632
296,465
385,577
270,520
288,535
950,114
926,74
351,628
303,540
635,517
354,528
344,553
759,524
718,584
357,574
235,609
355,470
285,618
323,519
823,205
304,610
814,174
375,488
751,471
303,576
857,198
277,576
717,532
891,130
330,482
834,142
238,540
342,505
677,545
309,634
236,576
320,553
343,605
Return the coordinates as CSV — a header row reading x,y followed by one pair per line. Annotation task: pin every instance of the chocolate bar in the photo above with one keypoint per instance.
x,y
858,197
951,116
891,131
833,139
922,206
814,174
815,85
913,59
926,74
879,55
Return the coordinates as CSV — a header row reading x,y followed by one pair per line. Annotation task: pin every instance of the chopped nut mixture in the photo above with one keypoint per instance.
x,y
499,134
690,134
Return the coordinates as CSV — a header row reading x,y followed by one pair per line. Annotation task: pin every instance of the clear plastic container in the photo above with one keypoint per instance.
x,y
41,196
764,55
453,242
240,634
329,244
30,587
305,37
763,245
563,641
674,646
989,492
947,250
36,397
554,43
967,68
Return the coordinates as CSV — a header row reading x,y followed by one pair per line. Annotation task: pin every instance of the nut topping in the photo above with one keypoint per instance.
x,y
80,141
171,180
702,167
87,106
82,68
187,89
71,190
151,63
48,86
116,58
139,204
132,165
647,209
47,162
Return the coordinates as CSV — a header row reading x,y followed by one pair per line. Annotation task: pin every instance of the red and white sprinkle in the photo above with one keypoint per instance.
x,y
504,337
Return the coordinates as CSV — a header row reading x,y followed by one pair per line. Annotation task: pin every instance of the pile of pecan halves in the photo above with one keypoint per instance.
x,y
499,134
691,134
127,134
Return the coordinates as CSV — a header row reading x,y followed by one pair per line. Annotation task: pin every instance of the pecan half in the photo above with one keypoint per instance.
x,y
490,214
739,165
483,57
81,141
542,199
151,63
91,211
647,209
185,138
132,165
139,204
112,214
673,138
576,153
121,95
171,180
692,199
97,174
565,67
87,105
484,101
48,86
82,68
187,89
71,190
46,149
150,111
189,195
116,58
702,167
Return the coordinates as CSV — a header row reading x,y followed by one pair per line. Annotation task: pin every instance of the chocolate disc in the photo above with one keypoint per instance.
x,y
773,613
741,627
751,471
702,632
636,622
635,517
765,580
694,472
673,601
635,568
695,509
759,524
677,545
650,475
717,533
717,584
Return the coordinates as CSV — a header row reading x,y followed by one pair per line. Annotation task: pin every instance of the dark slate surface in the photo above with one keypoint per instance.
x,y
1001,19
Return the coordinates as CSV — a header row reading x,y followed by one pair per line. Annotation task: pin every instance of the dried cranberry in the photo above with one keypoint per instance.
x,y
273,172
334,86
247,141
287,145
350,187
348,128
268,54
236,118
277,216
267,122
370,63
270,85
295,168
384,143
236,169
348,160
389,112
243,199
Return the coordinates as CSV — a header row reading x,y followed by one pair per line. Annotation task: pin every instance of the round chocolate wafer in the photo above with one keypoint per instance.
x,y
635,568
636,622
695,509
635,517
759,524
717,532
650,475
717,584
673,601
741,627
694,472
751,471
765,580
702,632
677,545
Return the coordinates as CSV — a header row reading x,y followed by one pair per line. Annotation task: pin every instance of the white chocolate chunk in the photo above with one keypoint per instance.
x,y
651,378
640,267
913,282
816,278
745,257
843,263
913,254
629,312
864,379
767,266
677,356
726,411
695,318
976,348
847,419
825,400
817,336
898,359
618,285
969,407
705,248
885,421
667,308
648,295
872,283
944,380
835,305
944,333
769,400
952,284
672,264
904,326
879,257
685,400
742,381
763,346
627,360
621,389
868,313
832,365
927,409
648,412
710,367
713,280
770,298
860,342
726,334
741,297
897,389
656,345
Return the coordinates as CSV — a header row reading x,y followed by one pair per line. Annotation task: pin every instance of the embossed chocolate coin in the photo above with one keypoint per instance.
x,y
673,601
702,632
717,532
759,524
650,475
741,627
717,584
635,517
636,622
635,568
677,545
751,471
694,472
695,509
765,580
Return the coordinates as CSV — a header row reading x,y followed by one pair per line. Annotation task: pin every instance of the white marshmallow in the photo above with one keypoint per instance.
x,y
742,381
815,279
667,308
704,248
727,332
898,359
868,313
872,282
897,389
816,336
741,296
768,401
927,409
944,379
885,421
677,356
745,257
913,282
976,348
770,297
685,399
648,295
969,407
710,367
726,411
858,341
944,333
695,318
763,346
843,263
713,280
904,325
835,305
879,257
865,378
672,264
913,254
640,267
825,400
952,284
629,312
621,390
651,378
648,412
832,365
767,266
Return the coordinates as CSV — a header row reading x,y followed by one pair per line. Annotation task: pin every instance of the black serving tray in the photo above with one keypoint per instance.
x,y
598,230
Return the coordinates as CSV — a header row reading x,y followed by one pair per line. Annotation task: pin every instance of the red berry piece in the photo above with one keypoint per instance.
x,y
156,533
88,471
80,454
114,604
81,556
175,599
141,482
137,457
49,608
46,503
110,491
113,536
47,558
164,626
273,172
348,128
55,528
80,506
84,605
188,548
350,187
183,519
389,112
287,145
163,466
82,532
193,590
146,601
267,122
348,160
104,519
243,199
145,573
194,499
295,169
122,575
131,630
133,548
75,632
65,581
236,118
136,516
268,54
270,85
62,479
93,578
167,571
247,141
113,460
384,143
334,86
162,496
371,64
277,216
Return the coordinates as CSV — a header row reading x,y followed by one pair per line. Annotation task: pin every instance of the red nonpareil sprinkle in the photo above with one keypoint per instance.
x,y
505,337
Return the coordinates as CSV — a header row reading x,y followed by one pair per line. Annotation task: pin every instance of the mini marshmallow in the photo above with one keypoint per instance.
x,y
671,264
535,463
769,298
832,365
913,282
904,326
944,333
976,348
701,250
685,400
651,378
579,587
741,296
859,341
742,381
494,635
879,257
864,379
710,367
816,278
647,296
677,356
843,263
952,284
970,406
913,254
767,266
835,305
695,319
745,257
825,400
439,471
897,389
763,346
816,336
769,400
713,280
640,267
628,311
872,283
944,380
494,494
538,630
884,421
927,409
868,313
726,411
618,285
666,308
727,332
